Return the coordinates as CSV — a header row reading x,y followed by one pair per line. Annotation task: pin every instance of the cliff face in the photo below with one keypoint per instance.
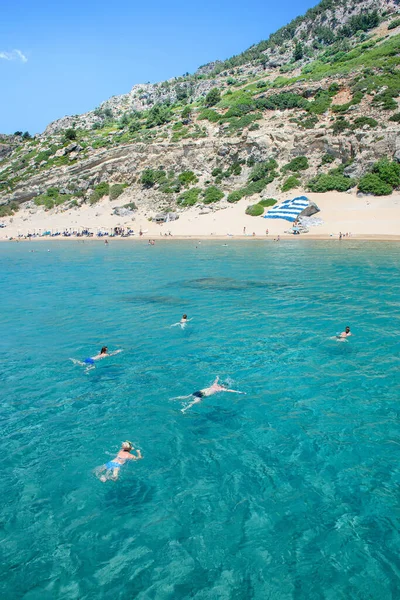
x,y
324,88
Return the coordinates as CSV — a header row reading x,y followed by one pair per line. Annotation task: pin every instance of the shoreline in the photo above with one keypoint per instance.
x,y
365,218
225,238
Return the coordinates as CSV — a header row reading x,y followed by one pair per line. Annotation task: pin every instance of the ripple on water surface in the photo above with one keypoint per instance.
x,y
288,492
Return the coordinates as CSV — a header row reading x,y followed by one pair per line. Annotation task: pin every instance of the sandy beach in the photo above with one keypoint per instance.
x,y
363,218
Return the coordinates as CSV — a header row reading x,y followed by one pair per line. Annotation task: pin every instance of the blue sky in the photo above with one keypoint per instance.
x,y
66,58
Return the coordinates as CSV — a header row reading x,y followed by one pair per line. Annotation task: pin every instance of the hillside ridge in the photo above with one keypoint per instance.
x,y
313,107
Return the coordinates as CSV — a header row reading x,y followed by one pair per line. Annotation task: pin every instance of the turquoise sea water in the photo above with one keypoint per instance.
x,y
289,492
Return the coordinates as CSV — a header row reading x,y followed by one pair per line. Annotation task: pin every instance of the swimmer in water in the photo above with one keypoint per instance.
x,y
110,470
183,322
215,388
89,362
342,337
346,333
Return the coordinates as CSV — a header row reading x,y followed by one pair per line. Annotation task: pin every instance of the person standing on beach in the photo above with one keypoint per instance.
x,y
244,230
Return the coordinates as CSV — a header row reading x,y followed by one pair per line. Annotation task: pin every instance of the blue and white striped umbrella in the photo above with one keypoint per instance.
x,y
288,209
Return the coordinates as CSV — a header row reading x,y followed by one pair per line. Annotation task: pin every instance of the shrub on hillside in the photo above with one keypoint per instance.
x,y
187,111
395,118
321,103
361,22
371,183
150,177
256,187
282,101
235,196
187,178
189,198
268,202
327,183
158,115
340,125
51,198
388,171
212,194
290,183
361,121
116,190
213,97
394,24
255,210
70,134
298,52
300,163
7,210
263,169
130,206
101,190
327,159
210,115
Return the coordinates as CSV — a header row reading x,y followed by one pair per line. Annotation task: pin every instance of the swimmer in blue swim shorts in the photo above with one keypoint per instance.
x,y
90,361
110,470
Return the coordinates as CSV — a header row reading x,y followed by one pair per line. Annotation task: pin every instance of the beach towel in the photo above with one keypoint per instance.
x,y
288,209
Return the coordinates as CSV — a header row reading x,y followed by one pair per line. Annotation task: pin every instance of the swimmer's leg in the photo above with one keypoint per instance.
x,y
182,397
101,473
78,362
194,401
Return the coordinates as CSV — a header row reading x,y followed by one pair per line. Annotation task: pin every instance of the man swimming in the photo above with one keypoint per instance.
x,y
342,337
89,362
111,469
215,388
346,332
183,322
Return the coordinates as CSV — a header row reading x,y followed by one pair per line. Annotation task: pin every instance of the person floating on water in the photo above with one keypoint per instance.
x,y
346,332
183,322
89,362
110,470
215,388
342,337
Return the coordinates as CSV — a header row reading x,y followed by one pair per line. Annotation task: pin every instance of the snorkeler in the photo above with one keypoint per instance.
x,y
111,469
210,391
183,322
89,362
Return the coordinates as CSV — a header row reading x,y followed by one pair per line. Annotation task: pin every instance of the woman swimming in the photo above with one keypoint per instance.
x,y
89,362
111,469
215,388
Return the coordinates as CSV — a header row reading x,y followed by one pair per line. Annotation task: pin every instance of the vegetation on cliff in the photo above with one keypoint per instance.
x,y
331,77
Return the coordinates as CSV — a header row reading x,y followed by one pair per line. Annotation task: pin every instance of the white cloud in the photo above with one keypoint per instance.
x,y
14,55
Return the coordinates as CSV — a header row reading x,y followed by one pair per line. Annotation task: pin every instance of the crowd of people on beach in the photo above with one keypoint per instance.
x,y
111,469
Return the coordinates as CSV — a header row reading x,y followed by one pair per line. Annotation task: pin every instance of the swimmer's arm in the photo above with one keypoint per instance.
x,y
115,352
137,457
235,392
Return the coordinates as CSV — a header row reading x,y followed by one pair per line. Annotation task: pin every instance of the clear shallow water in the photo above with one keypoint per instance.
x,y
289,492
